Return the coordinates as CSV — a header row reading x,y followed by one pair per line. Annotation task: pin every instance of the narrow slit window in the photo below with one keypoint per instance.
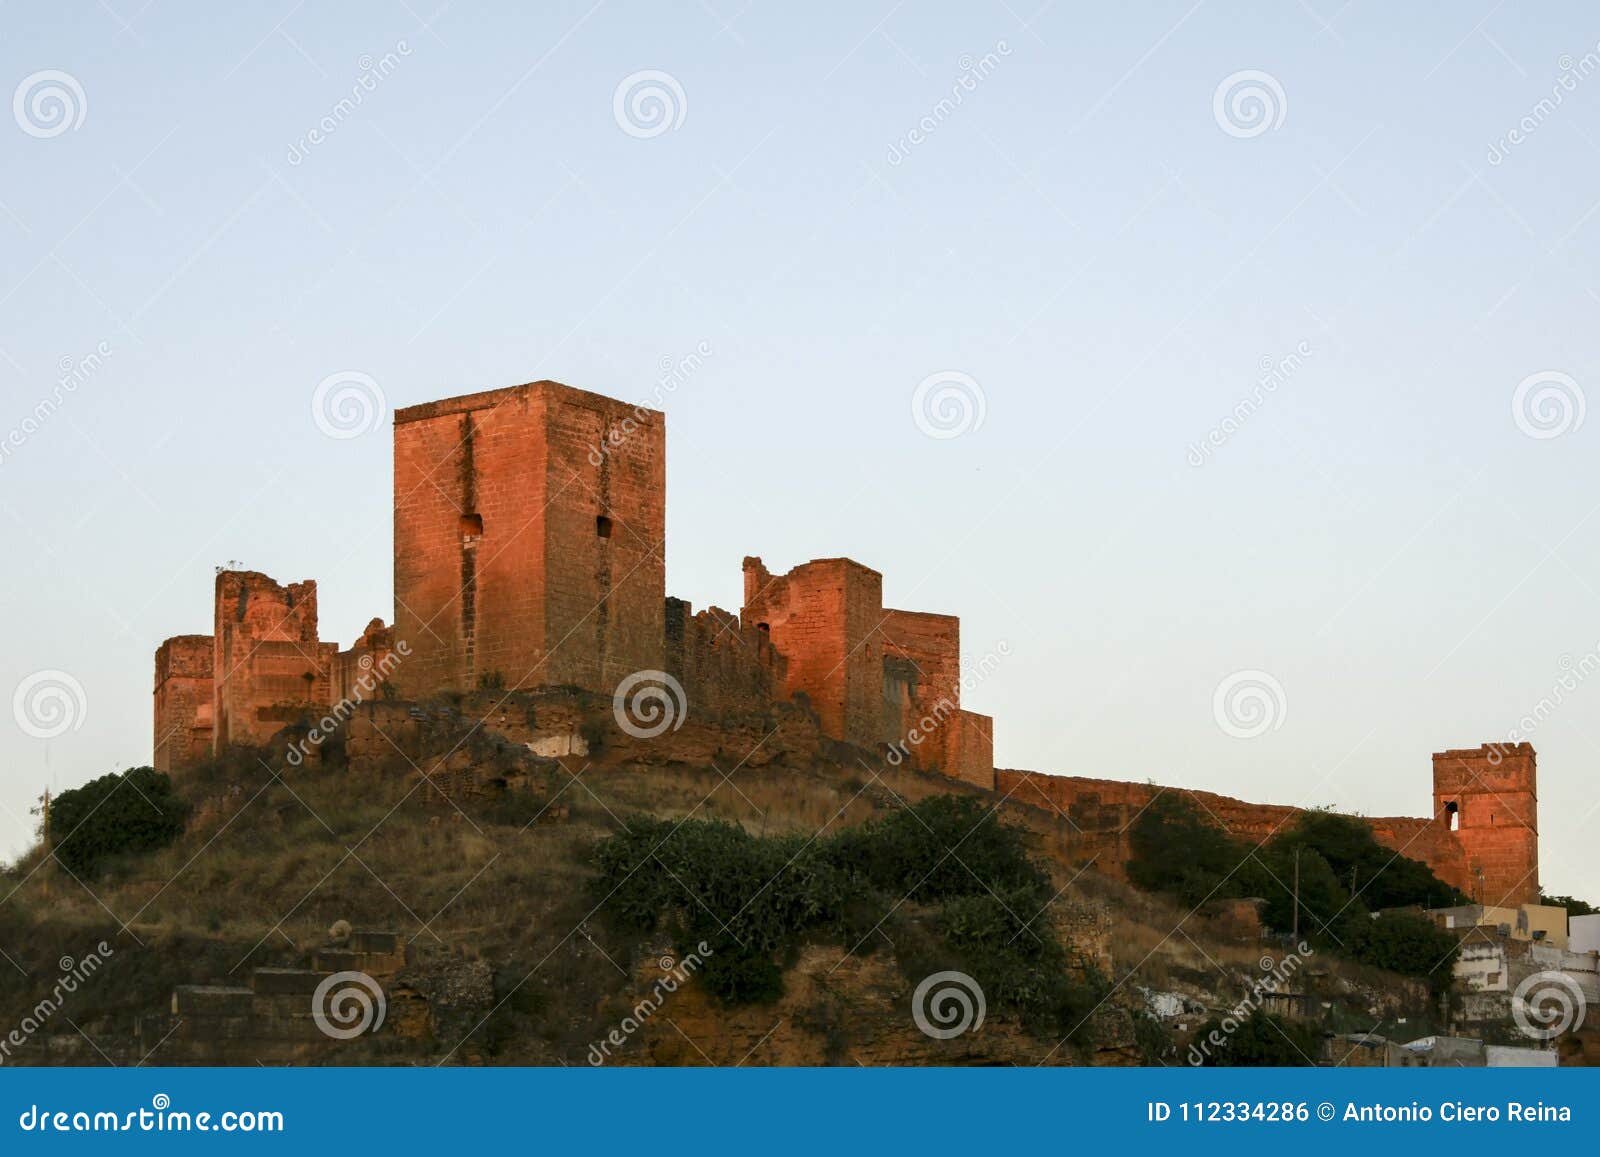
x,y
1454,812
471,528
602,526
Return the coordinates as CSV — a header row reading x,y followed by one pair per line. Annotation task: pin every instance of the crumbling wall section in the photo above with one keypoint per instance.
x,y
183,702
723,666
1104,811
824,618
268,665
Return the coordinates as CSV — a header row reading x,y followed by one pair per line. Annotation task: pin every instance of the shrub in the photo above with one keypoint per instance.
x,y
755,900
121,813
1260,1039
1175,849
1405,942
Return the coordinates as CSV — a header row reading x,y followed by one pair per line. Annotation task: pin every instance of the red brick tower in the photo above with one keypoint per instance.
x,y
1488,800
529,530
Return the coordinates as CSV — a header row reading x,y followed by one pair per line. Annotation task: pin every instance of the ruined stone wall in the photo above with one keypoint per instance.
x,y
969,752
722,665
824,618
268,665
529,534
1104,810
363,672
1491,795
922,661
183,702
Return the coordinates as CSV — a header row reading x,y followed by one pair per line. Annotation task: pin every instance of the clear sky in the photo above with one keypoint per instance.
x,y
1063,203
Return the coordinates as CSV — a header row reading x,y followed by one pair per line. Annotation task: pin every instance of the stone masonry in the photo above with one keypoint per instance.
x,y
183,705
1487,846
529,530
529,541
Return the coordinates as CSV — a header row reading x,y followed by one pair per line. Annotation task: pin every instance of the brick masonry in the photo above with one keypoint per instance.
x,y
268,663
183,702
530,527
1492,856
529,530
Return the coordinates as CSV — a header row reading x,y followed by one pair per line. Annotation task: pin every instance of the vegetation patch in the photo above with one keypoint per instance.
x,y
756,899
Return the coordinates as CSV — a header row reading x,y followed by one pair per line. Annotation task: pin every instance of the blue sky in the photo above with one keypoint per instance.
x,y
1107,259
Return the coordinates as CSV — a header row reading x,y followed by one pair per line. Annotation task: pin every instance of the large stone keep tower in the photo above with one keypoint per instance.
x,y
529,529
1488,799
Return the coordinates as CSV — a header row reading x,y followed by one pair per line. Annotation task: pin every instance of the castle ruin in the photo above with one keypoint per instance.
x,y
529,551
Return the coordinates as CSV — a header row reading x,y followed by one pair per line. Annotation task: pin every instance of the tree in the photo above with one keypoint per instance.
x,y
1377,876
1172,848
1573,905
1405,942
1259,1040
124,812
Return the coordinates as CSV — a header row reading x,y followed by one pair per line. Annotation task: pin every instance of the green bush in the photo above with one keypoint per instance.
x,y
118,814
1259,1040
1405,942
1175,849
756,900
